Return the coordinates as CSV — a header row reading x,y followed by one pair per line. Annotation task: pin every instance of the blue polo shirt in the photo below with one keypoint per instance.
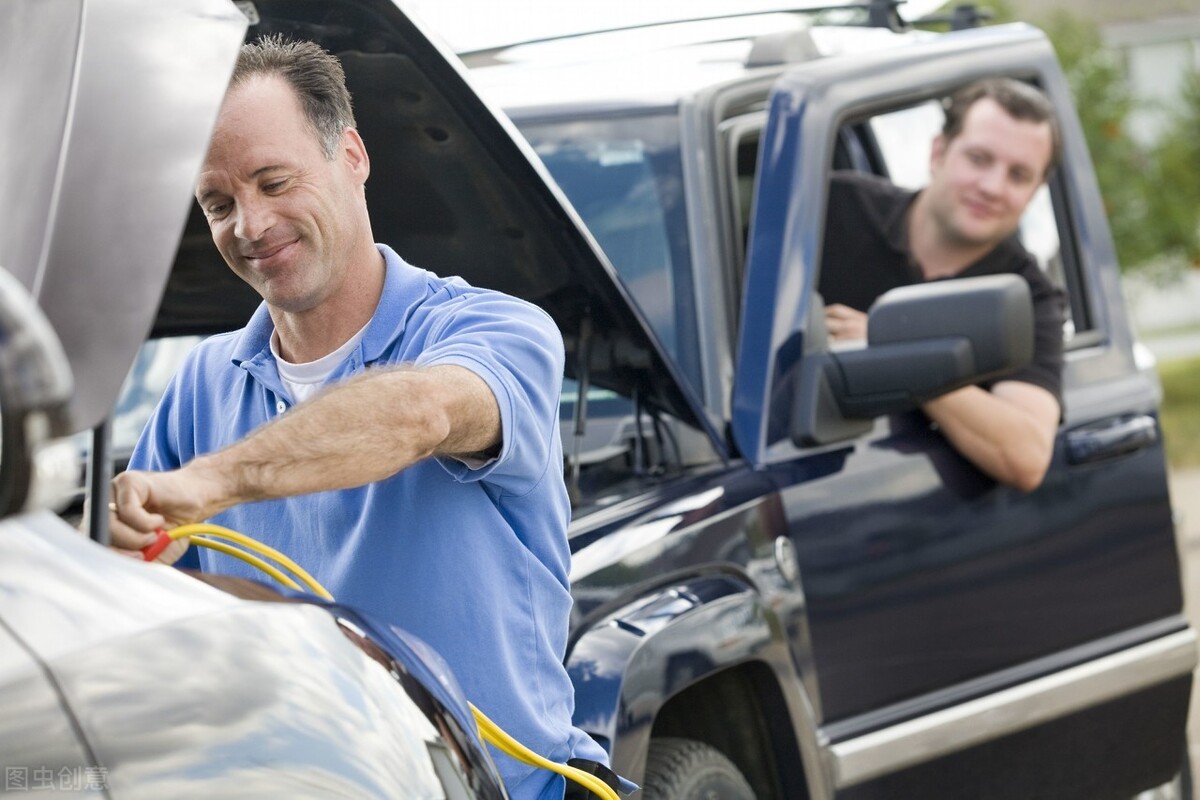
x,y
472,561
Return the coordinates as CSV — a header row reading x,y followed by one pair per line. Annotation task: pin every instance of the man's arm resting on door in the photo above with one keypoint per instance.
x,y
1008,432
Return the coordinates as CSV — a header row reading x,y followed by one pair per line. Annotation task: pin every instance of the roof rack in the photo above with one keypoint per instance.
x,y
880,14
963,17
884,14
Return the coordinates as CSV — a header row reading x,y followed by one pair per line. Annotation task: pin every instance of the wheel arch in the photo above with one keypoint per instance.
x,y
675,662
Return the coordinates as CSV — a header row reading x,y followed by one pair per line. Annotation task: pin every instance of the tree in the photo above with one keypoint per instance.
x,y
1177,167
1103,103
1151,195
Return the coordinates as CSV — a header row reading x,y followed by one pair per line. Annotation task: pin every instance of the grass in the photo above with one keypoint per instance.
x,y
1166,332
1181,411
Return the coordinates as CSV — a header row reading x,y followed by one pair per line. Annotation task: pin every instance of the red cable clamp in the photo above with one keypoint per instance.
x,y
153,551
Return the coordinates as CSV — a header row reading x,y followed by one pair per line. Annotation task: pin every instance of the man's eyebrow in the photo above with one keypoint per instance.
x,y
207,193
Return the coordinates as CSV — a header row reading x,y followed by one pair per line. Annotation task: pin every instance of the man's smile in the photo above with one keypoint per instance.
x,y
264,257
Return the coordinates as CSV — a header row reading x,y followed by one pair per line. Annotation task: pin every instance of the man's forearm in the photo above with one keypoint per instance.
x,y
1008,433
355,433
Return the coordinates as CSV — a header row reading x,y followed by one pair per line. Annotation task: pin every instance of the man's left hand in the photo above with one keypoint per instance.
x,y
844,324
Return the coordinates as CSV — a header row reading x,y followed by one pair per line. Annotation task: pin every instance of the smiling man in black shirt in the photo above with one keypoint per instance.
x,y
999,142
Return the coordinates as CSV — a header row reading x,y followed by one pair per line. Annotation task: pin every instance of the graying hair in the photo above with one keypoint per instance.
x,y
314,74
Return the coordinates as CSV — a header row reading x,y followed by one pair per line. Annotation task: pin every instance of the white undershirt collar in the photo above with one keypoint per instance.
x,y
303,380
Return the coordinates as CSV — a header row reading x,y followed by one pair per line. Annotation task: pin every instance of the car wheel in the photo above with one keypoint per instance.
x,y
683,769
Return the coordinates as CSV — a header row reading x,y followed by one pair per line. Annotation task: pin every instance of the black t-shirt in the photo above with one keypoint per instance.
x,y
866,254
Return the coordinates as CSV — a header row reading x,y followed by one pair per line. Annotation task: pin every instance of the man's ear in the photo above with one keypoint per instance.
x,y
937,151
354,154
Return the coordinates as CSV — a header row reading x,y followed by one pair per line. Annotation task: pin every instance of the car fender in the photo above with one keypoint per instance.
x,y
633,660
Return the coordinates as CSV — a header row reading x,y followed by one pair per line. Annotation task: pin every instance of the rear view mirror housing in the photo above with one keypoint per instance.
x,y
923,341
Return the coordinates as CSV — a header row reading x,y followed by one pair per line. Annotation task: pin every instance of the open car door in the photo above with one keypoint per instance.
x,y
966,639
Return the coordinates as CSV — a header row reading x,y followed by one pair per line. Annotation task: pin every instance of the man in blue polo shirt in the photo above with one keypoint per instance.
x,y
393,431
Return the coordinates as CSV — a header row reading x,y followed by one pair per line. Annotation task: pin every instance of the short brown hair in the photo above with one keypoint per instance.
x,y
314,74
1019,99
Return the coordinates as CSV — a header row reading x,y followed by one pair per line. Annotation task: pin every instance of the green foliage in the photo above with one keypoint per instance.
x,y
1151,195
1177,166
1103,102
1180,412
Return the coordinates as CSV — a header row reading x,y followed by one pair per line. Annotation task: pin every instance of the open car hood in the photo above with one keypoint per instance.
x,y
455,189
105,113
103,138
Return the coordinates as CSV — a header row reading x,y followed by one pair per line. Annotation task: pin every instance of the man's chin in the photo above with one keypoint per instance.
x,y
290,303
982,235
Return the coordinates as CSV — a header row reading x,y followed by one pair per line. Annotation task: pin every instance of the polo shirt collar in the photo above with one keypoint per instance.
x,y
254,341
403,290
404,287
252,350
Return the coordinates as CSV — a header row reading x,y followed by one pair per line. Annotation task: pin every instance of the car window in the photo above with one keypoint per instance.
x,y
742,137
624,177
900,142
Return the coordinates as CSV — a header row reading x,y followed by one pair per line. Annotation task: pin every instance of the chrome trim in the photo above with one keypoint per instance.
x,y
1019,708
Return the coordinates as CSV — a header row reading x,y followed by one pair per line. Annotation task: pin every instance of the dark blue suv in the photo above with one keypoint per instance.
x,y
851,610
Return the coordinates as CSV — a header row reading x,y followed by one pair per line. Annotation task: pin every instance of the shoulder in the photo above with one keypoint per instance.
x,y
457,302
210,353
866,187
870,197
1011,256
414,292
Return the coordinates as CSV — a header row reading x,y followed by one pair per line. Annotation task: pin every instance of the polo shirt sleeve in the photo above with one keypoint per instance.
x,y
517,350
156,448
1049,312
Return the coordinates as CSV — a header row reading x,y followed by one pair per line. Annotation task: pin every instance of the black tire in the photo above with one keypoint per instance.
x,y
682,769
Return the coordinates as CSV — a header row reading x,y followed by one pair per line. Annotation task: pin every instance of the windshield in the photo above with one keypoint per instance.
x,y
623,175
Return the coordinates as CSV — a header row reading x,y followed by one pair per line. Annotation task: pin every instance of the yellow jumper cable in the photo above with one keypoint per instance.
x,y
207,535
204,531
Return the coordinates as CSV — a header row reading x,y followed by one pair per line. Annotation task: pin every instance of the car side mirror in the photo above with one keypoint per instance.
x,y
922,341
35,387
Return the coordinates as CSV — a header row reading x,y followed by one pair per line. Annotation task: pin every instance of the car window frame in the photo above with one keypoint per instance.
x,y
1082,327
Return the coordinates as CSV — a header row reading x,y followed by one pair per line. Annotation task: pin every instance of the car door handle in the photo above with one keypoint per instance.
x,y
1111,439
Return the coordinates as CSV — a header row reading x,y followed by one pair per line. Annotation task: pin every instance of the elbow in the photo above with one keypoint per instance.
x,y
1026,471
433,426
1027,480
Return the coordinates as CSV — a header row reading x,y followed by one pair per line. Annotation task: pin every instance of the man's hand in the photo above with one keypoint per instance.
x,y
844,324
146,501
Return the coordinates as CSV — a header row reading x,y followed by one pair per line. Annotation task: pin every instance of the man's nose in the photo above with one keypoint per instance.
x,y
254,218
992,179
